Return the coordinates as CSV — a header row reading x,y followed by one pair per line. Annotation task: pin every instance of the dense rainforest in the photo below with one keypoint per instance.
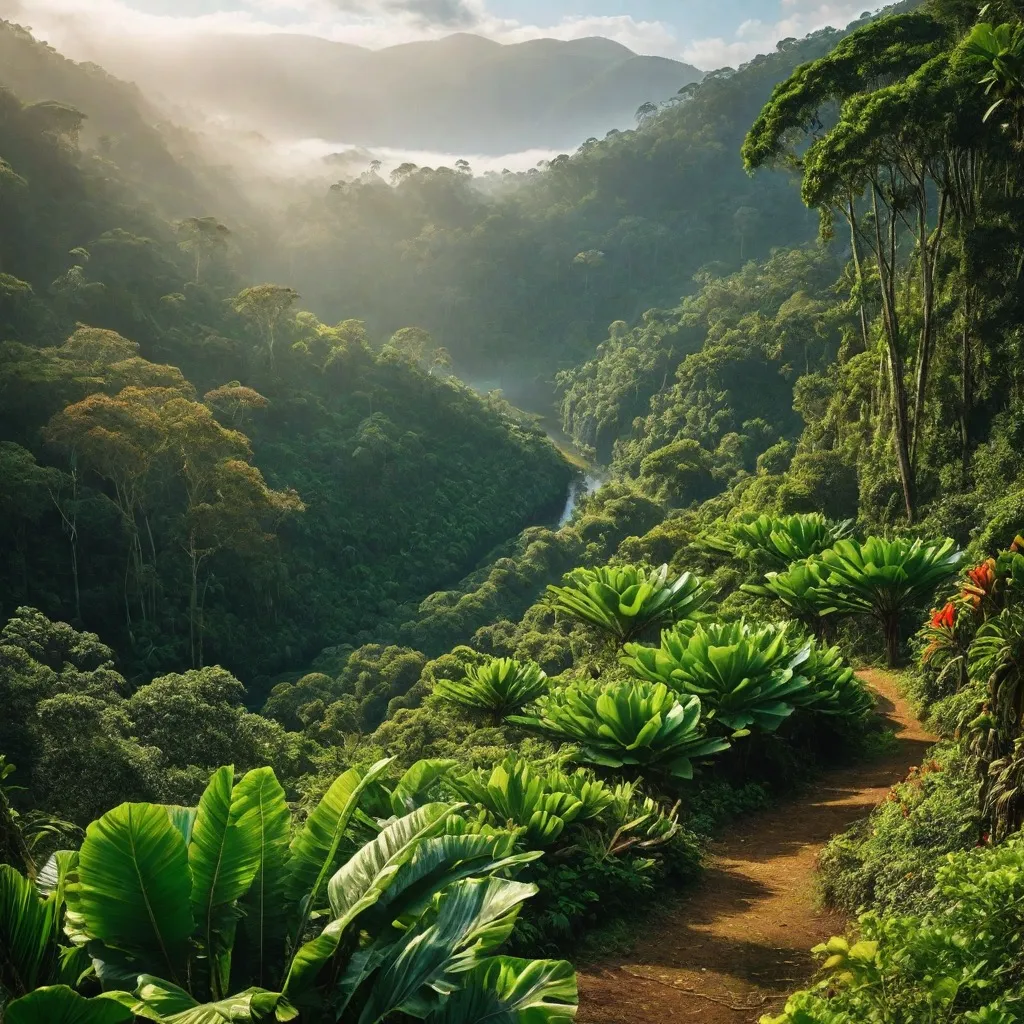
x,y
303,651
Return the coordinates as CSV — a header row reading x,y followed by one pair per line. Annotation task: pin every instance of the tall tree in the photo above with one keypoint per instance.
x,y
203,238
265,305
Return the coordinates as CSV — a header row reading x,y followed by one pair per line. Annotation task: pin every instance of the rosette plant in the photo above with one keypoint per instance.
x,y
833,687
217,913
498,687
783,539
743,676
627,724
884,579
797,589
518,795
623,601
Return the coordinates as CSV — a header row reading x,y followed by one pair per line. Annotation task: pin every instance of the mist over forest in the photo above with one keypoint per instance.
x,y
454,492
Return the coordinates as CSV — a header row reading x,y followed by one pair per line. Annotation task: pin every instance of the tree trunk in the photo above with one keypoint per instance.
x,y
891,627
965,404
858,267
886,259
930,249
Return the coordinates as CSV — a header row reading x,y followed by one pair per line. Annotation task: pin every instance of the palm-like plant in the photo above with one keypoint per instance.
x,y
743,676
783,539
884,579
498,687
190,905
623,601
517,795
797,589
833,688
627,724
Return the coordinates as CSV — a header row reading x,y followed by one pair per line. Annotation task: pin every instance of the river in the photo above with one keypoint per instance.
x,y
590,476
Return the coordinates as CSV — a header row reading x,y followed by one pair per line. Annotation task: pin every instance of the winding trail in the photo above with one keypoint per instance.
x,y
736,945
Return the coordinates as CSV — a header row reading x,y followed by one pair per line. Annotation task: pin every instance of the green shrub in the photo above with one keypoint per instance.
x,y
888,861
958,961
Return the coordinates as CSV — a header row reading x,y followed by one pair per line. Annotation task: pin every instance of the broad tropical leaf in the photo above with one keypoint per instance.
x,y
134,887
358,884
396,843
224,856
472,918
314,852
505,990
58,1004
28,931
53,875
417,781
160,1001
264,922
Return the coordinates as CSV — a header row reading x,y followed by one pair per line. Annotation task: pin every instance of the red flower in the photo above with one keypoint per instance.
x,y
1018,544
944,618
982,579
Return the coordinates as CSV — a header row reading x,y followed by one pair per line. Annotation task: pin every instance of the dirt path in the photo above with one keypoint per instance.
x,y
738,944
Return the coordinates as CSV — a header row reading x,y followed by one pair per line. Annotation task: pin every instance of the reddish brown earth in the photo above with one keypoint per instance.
x,y
734,947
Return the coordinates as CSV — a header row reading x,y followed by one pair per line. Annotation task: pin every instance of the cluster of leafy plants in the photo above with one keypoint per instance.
x,y
956,961
935,869
224,912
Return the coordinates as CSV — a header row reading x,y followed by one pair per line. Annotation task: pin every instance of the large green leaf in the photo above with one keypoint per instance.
x,y
417,780
27,934
472,919
158,1000
359,874
358,884
264,923
314,852
59,1004
441,861
134,886
506,990
224,856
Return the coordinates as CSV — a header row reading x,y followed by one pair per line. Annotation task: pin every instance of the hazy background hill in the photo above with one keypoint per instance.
x,y
124,133
463,94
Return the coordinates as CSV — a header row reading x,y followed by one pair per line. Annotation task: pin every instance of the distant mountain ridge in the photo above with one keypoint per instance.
x,y
461,94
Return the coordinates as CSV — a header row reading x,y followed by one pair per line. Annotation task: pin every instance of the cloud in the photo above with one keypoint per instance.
x,y
449,14
797,19
87,29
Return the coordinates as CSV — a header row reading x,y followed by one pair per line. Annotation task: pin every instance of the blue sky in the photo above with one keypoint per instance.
x,y
708,33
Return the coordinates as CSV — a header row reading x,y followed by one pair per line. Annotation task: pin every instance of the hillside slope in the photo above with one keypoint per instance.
x,y
463,94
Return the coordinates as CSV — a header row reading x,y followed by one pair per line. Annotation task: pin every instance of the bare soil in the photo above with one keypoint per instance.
x,y
735,946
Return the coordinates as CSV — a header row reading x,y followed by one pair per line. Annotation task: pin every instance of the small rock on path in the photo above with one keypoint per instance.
x,y
736,946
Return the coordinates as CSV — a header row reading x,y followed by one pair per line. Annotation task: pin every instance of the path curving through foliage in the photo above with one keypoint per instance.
x,y
738,944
